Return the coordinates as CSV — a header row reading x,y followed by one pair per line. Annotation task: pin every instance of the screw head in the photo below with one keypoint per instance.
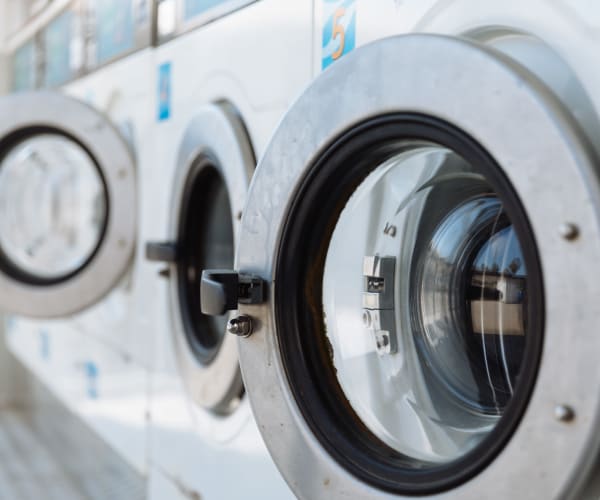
x,y
564,413
240,326
568,231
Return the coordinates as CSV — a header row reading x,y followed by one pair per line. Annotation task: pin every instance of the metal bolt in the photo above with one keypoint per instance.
x,y
564,413
569,231
240,326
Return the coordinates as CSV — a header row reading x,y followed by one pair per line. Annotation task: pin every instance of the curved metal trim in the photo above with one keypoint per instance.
x,y
30,111
218,130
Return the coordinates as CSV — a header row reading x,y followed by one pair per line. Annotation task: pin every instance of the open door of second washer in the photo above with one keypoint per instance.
x,y
67,205
214,167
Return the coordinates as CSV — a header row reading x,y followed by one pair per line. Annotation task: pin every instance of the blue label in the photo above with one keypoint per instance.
x,y
91,373
44,345
24,67
339,29
164,91
193,8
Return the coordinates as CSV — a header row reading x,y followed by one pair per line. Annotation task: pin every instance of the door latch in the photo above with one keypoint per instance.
x,y
378,302
222,291
162,251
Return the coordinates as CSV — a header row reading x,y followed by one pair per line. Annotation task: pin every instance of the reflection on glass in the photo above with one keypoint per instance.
x,y
115,30
58,37
52,207
193,8
24,67
206,242
425,299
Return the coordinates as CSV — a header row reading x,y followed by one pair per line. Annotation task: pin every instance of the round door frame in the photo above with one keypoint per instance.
x,y
24,115
529,133
218,133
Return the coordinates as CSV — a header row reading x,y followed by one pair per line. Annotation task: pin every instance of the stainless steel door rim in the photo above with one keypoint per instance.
x,y
544,155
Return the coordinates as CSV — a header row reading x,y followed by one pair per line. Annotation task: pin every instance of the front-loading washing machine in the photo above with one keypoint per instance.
x,y
94,361
225,76
66,173
421,236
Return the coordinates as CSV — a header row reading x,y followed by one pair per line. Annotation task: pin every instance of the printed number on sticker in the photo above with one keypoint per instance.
x,y
339,29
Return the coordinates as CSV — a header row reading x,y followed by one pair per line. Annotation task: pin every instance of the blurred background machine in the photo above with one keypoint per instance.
x,y
217,108
129,358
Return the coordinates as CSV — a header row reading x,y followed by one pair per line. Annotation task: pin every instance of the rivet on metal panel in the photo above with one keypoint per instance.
x,y
569,231
564,413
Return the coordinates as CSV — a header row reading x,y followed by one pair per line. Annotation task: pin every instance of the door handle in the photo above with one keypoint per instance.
x,y
162,251
222,290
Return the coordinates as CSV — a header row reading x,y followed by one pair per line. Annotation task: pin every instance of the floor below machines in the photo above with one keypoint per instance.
x,y
47,452
28,469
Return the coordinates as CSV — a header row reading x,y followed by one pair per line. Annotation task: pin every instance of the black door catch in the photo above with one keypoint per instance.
x,y
222,290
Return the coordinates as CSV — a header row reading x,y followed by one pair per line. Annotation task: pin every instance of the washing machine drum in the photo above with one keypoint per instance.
x,y
425,223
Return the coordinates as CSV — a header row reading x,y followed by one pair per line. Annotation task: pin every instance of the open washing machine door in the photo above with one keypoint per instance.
x,y
67,205
215,164
415,281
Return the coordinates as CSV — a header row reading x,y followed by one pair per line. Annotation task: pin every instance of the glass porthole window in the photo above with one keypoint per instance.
x,y
206,241
416,304
53,208
432,365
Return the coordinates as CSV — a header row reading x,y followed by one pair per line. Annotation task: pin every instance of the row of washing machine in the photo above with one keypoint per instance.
x,y
410,266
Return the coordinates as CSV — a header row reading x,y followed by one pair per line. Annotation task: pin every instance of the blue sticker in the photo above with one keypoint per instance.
x,y
10,323
164,91
339,29
91,373
193,8
44,345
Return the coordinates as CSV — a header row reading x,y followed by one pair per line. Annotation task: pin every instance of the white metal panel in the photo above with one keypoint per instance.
x,y
257,59
125,91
